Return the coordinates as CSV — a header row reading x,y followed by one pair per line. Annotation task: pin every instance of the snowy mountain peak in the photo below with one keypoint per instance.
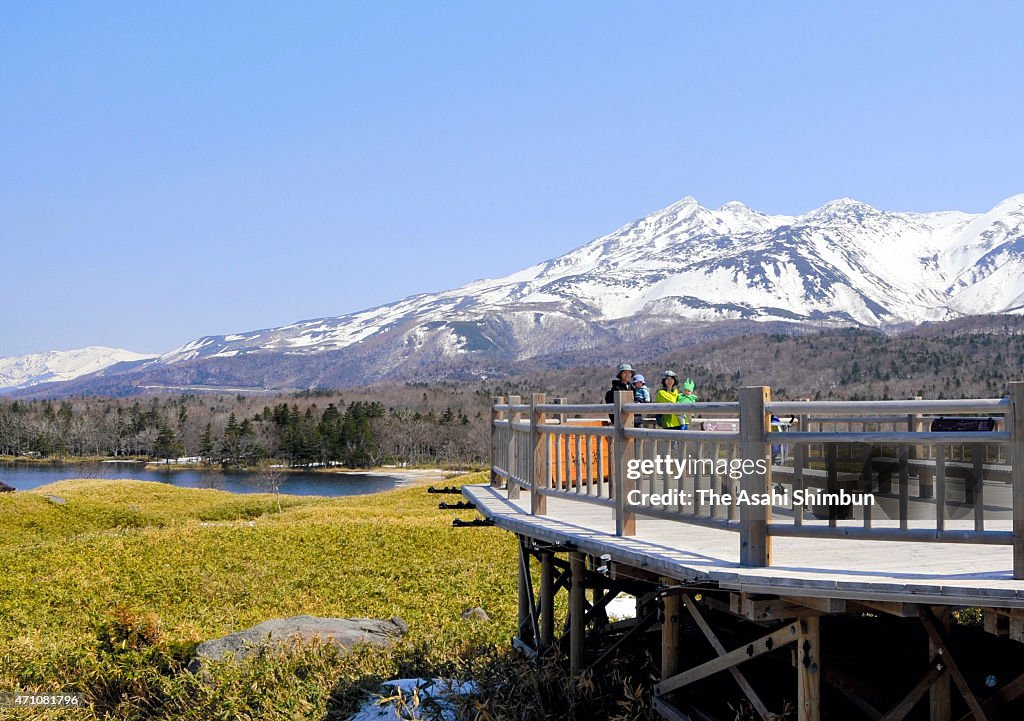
x,y
29,370
687,203
735,206
1012,205
844,210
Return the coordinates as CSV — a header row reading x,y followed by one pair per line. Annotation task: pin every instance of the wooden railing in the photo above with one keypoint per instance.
x,y
963,487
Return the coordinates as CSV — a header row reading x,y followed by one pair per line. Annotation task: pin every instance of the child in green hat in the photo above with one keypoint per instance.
x,y
686,395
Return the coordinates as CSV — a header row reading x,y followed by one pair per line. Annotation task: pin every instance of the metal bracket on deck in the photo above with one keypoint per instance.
x,y
460,506
459,523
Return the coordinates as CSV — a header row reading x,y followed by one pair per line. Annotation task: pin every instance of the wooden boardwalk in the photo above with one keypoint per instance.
x,y
604,510
904,572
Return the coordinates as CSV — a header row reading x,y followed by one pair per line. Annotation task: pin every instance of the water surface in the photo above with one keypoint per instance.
x,y
23,477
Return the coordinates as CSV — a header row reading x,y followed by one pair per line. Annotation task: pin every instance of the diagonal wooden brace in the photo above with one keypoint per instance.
x,y
931,627
1007,694
907,703
783,636
705,628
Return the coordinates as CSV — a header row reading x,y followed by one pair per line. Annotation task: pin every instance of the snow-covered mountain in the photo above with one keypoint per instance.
x,y
29,370
675,269
845,261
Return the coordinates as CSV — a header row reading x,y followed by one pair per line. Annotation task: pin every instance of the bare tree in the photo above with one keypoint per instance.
x,y
269,479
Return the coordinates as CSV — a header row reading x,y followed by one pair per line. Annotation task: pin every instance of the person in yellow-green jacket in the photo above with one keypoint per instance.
x,y
668,393
687,396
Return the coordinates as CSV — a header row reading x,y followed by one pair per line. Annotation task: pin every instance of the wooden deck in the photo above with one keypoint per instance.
x,y
904,572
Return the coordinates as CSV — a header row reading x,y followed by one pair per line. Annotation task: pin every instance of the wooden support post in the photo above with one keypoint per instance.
x,y
808,670
495,415
524,597
538,458
755,545
513,456
939,698
1016,424
547,600
625,518
670,633
576,601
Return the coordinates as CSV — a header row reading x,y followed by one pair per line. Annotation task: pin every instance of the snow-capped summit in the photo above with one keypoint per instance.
x,y
845,261
29,370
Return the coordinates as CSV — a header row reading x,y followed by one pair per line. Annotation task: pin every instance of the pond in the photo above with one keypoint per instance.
x,y
24,476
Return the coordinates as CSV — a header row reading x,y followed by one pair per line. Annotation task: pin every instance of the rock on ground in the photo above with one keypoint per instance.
x,y
343,632
475,614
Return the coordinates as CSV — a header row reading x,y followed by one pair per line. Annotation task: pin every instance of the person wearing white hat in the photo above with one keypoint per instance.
x,y
623,381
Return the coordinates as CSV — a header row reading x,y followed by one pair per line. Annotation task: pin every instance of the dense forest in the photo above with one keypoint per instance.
x,y
300,430
445,422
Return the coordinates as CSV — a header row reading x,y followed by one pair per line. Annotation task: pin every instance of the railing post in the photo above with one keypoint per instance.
x,y
1016,428
755,545
495,415
538,467
625,519
513,456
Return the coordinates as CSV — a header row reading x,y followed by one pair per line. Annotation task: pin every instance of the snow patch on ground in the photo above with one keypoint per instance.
x,y
413,698
621,607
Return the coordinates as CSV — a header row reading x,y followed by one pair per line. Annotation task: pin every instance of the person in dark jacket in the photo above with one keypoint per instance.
x,y
623,381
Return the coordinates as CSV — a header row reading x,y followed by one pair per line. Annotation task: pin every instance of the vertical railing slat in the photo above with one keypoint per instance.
x,y
940,487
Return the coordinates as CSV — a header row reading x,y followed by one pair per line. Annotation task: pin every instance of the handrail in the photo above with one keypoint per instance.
x,y
985,405
536,448
887,437
567,430
901,418
680,407
563,408
669,434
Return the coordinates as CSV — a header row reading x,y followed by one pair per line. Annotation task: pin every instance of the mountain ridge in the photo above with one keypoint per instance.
x,y
843,263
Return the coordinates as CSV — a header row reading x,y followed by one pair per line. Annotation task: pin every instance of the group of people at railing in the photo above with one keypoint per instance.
x,y
627,379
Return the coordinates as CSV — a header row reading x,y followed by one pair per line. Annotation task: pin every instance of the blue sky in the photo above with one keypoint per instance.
x,y
181,169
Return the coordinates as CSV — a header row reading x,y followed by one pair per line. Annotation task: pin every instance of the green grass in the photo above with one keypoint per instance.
x,y
109,593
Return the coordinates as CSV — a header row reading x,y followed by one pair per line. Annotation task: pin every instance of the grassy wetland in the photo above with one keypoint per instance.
x,y
108,593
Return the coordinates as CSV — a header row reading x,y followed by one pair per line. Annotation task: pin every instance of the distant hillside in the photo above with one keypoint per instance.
x,y
969,357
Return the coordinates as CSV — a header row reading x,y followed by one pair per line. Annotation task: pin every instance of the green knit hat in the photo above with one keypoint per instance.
x,y
688,384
